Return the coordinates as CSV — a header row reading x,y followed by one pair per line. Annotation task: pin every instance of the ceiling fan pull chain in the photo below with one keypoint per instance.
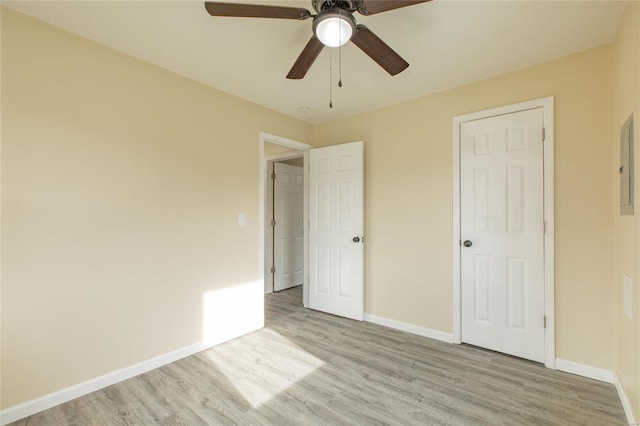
x,y
330,79
340,63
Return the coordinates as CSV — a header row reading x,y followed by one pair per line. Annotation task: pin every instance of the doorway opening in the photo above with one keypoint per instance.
x,y
333,223
272,150
284,250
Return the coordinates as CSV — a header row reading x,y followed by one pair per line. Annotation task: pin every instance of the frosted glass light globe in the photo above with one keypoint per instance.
x,y
334,31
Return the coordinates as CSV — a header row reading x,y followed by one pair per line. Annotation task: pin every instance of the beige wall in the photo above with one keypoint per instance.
x,y
408,199
1,9
626,100
121,188
122,183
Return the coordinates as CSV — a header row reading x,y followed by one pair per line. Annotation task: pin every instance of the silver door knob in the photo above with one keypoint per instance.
x,y
356,239
467,243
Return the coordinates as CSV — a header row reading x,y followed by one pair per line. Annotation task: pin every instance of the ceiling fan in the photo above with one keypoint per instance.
x,y
333,26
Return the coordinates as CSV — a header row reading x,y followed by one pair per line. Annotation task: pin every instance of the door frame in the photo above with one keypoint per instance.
x,y
547,105
300,149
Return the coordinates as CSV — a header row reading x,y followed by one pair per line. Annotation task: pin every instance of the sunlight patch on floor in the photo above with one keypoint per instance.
x,y
262,365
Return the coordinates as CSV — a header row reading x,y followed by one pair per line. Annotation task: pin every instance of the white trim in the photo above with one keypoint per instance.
x,y
547,105
457,280
410,328
585,370
624,399
45,402
549,236
268,235
279,140
305,222
262,202
301,148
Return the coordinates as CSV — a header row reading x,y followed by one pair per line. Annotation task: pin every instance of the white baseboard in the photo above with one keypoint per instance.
x,y
410,328
563,365
45,402
585,370
626,403
588,371
34,406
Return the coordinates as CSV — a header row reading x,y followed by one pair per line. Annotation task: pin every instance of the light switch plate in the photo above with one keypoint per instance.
x,y
627,296
627,168
242,219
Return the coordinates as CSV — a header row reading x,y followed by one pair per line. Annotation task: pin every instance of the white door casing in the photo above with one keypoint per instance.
x,y
502,219
336,225
288,226
265,198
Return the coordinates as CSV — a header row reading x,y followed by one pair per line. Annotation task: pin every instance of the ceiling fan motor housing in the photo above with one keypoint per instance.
x,y
320,5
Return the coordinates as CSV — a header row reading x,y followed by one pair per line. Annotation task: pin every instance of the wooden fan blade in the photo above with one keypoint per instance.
x,y
255,11
371,7
378,50
306,59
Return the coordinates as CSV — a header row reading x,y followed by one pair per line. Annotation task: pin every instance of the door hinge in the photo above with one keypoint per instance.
x,y
544,226
544,321
273,269
273,223
273,176
544,134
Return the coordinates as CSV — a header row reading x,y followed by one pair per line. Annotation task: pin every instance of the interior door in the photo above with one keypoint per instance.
x,y
336,225
288,226
502,227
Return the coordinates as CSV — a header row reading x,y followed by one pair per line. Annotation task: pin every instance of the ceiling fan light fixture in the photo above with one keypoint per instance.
x,y
334,27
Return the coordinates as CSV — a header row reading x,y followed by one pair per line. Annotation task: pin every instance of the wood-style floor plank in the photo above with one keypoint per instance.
x,y
310,368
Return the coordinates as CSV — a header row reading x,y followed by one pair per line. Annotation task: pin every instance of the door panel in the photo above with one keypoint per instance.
x,y
501,178
288,231
335,218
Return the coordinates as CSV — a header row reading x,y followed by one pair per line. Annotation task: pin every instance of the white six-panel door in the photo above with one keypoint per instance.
x,y
336,226
502,224
288,230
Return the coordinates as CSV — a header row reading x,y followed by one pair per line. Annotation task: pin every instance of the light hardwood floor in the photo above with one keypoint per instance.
x,y
310,368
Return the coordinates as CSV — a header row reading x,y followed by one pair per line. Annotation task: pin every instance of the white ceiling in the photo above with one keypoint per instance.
x,y
448,43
